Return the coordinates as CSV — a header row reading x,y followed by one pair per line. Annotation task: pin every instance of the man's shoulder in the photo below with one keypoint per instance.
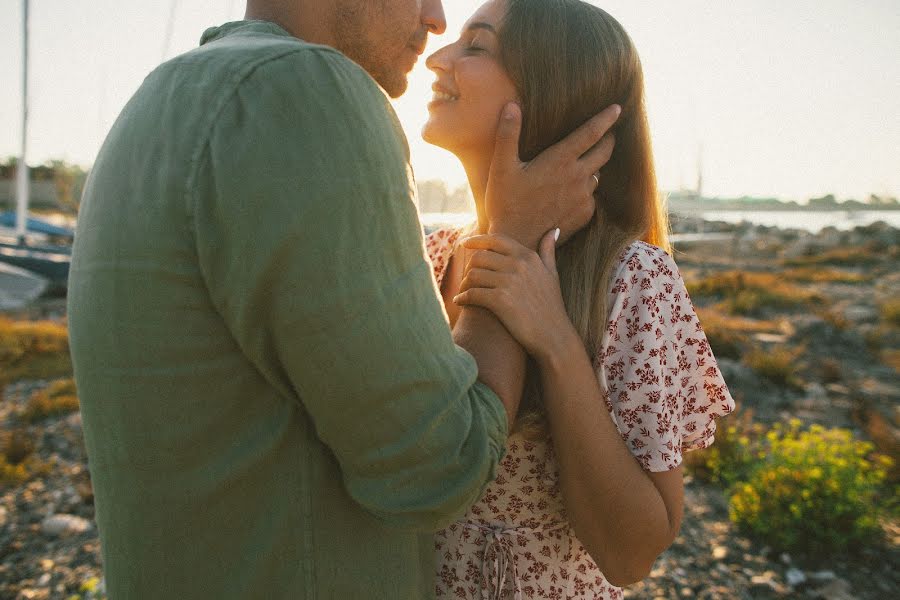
x,y
238,55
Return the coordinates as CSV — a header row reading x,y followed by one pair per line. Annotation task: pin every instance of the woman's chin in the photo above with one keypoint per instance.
x,y
433,135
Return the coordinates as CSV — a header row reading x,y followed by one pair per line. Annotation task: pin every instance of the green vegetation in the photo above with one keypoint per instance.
x,y
734,454
751,294
33,350
817,489
18,462
57,399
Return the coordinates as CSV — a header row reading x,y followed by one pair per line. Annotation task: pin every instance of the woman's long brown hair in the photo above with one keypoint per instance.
x,y
569,60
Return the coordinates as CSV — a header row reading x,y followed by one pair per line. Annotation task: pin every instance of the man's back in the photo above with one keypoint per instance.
x,y
272,403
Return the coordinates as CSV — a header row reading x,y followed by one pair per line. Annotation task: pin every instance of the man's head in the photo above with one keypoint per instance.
x,y
385,37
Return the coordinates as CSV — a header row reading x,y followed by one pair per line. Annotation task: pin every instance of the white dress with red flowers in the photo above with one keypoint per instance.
x,y
663,390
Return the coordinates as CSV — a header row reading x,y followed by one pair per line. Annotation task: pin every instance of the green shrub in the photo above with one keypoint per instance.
x,y
16,457
734,454
815,490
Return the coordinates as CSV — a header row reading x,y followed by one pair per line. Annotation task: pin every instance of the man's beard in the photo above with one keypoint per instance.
x,y
350,31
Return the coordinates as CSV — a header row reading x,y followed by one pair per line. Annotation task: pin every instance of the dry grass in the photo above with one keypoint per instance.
x,y
891,358
824,275
846,257
729,335
890,312
778,365
57,399
751,294
33,350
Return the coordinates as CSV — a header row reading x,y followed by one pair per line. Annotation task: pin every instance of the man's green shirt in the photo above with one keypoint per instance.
x,y
272,401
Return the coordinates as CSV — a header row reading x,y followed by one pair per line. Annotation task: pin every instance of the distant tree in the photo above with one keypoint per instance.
x,y
828,201
875,200
69,181
435,197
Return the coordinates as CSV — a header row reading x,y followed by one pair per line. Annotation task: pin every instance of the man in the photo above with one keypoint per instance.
x,y
273,403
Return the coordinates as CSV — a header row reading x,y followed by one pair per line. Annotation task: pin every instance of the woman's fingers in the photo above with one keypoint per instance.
x,y
492,261
494,242
484,297
481,278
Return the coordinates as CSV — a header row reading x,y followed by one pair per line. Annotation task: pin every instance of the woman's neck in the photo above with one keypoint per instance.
x,y
478,170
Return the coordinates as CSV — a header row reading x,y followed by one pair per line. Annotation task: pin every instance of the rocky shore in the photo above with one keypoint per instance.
x,y
824,303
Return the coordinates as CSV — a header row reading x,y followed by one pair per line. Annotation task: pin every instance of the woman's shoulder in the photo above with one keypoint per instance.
x,y
644,264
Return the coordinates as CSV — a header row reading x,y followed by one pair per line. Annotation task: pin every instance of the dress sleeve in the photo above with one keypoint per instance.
x,y
439,245
312,252
663,387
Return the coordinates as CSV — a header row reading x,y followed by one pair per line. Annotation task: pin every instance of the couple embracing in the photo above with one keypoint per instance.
x,y
288,393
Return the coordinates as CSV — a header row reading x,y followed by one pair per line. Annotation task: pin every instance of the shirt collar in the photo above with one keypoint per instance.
x,y
235,27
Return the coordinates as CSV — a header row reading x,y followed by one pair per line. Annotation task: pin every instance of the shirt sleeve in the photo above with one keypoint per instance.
x,y
663,386
312,251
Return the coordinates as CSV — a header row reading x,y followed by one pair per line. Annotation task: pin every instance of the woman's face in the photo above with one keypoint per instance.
x,y
471,86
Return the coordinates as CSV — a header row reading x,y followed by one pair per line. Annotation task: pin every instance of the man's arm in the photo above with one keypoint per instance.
x,y
312,252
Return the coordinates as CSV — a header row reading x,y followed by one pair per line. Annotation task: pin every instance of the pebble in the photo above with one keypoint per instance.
x,y
720,552
63,525
795,577
3,517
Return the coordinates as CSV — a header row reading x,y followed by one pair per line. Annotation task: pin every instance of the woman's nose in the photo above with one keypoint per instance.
x,y
438,60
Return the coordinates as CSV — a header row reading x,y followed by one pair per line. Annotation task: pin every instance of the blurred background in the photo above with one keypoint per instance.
x,y
777,144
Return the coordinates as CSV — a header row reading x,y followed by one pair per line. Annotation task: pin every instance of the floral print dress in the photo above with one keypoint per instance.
x,y
663,390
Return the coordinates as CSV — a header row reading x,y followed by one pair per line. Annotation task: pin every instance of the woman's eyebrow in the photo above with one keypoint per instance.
x,y
481,25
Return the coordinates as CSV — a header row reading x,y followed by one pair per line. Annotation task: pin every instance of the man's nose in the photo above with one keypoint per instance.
x,y
433,16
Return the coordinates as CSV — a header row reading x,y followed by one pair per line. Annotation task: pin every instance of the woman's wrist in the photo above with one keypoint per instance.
x,y
558,349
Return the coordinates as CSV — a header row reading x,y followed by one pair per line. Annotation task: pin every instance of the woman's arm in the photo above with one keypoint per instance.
x,y
625,516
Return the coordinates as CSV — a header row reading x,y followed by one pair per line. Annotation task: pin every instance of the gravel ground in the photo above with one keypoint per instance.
x,y
49,546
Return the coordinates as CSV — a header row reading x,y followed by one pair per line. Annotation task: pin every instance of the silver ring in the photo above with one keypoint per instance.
x,y
597,179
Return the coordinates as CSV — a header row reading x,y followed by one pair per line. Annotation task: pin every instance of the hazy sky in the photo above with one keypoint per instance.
x,y
793,99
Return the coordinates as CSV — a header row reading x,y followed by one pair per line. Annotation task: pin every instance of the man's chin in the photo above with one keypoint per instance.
x,y
394,84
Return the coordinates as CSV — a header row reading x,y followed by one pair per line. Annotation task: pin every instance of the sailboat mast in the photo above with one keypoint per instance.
x,y
22,173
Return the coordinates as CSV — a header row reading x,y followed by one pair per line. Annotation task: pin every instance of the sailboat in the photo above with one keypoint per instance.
x,y
27,264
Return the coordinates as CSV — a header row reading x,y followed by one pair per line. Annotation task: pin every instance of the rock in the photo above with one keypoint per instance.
x,y
64,525
859,313
3,517
44,579
822,576
838,589
795,577
785,558
765,583
719,552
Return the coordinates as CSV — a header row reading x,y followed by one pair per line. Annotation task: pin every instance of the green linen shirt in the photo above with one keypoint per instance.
x,y
272,401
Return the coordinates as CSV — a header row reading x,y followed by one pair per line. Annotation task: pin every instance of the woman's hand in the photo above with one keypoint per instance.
x,y
521,287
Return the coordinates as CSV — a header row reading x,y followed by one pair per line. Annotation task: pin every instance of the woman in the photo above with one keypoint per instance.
x,y
582,503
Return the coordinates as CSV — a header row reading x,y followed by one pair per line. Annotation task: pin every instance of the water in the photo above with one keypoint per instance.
x,y
812,221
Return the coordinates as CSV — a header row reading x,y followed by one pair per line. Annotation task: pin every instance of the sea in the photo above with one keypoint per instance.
x,y
806,220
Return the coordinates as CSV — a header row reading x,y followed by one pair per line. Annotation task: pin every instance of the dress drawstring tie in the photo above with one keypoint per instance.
x,y
498,564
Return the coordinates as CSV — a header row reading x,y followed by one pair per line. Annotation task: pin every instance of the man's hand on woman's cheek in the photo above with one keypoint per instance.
x,y
556,188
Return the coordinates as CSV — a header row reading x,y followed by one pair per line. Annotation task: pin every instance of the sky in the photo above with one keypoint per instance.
x,y
790,99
